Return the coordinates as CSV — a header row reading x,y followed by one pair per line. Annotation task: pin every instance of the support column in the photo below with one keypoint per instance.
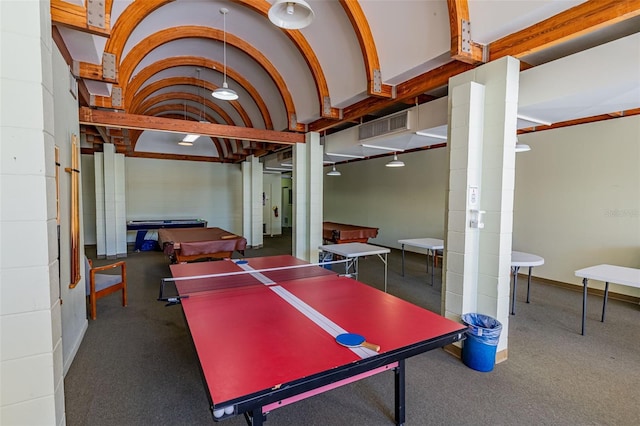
x,y
307,198
252,201
111,224
482,174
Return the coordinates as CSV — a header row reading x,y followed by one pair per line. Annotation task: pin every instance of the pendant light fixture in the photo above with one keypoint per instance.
x,y
522,147
291,14
224,93
395,162
334,172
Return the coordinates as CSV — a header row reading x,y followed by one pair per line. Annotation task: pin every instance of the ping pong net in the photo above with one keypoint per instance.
x,y
172,290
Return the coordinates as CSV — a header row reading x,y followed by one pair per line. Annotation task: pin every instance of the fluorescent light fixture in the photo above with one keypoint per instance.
x,y
185,143
534,120
395,162
334,172
278,169
286,164
522,147
335,154
431,135
290,14
190,138
386,148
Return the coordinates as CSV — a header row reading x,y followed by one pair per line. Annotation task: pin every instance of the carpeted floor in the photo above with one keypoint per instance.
x,y
136,365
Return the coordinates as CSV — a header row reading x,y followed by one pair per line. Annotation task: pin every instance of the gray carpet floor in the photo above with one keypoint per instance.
x,y
136,365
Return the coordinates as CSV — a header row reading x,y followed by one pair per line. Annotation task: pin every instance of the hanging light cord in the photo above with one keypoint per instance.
x,y
224,45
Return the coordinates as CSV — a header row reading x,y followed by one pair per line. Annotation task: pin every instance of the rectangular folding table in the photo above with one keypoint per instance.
x,y
354,251
607,273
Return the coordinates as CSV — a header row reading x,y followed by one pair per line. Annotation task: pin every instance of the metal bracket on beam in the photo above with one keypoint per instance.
x,y
109,65
96,13
466,37
377,81
116,97
293,122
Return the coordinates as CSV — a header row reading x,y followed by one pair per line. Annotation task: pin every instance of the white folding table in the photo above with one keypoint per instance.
x,y
431,244
353,251
519,259
608,273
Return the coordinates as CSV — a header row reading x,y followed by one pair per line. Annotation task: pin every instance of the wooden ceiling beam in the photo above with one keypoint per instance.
x,y
142,122
572,23
463,48
75,17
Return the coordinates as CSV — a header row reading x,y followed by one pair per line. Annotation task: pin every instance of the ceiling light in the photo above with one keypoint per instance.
x,y
522,147
381,147
334,172
190,139
224,93
395,162
291,15
277,169
185,143
335,154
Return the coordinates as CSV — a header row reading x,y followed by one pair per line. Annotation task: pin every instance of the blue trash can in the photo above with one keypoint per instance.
x,y
479,348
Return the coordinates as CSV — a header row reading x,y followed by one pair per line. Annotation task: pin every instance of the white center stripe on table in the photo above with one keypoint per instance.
x,y
320,320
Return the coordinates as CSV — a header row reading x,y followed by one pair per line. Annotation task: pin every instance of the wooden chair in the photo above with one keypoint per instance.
x,y
100,285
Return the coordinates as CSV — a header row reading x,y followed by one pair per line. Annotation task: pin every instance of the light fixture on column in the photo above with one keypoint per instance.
x,y
334,172
224,93
522,147
290,14
395,162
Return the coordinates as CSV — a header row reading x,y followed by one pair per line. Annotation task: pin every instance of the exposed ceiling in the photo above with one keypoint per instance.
x,y
146,69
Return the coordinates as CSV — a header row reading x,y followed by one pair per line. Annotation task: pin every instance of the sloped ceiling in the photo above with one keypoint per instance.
x,y
146,69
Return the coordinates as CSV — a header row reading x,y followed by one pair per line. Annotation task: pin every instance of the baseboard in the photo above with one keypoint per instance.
x,y
579,288
74,348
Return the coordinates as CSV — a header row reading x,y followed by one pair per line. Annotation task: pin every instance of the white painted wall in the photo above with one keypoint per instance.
x,y
577,199
33,352
164,189
404,202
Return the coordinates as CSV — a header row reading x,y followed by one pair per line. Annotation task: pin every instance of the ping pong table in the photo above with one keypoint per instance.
x,y
266,337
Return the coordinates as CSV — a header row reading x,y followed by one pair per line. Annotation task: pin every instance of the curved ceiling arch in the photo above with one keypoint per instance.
x,y
159,38
185,96
146,91
175,61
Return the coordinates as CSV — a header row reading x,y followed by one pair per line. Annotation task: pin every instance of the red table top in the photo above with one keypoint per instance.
x,y
250,339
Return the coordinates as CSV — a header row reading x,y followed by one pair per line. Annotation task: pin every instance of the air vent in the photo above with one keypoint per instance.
x,y
384,126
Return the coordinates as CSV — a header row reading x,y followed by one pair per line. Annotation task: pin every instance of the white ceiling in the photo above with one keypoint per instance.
x,y
411,38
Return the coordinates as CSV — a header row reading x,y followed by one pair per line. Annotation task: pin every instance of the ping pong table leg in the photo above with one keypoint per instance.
x,y
400,388
255,418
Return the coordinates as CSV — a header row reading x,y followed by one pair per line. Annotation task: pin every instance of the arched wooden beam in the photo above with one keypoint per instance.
x,y
463,47
167,35
163,97
360,25
146,91
176,61
127,22
262,7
